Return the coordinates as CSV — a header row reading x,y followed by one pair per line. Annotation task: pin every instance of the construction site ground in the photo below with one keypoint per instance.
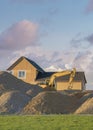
x,y
18,97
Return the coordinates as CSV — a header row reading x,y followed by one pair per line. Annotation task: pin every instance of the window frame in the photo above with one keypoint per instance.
x,y
24,73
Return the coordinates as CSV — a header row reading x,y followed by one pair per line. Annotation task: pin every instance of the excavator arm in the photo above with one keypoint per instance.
x,y
62,73
72,75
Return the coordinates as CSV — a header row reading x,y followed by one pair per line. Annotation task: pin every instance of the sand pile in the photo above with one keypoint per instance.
x,y
8,82
85,104
14,93
12,102
61,103
16,96
50,103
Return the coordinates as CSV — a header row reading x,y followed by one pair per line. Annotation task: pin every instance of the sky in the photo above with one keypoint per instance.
x,y
56,34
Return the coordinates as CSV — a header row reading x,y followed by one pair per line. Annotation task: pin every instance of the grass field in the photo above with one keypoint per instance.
x,y
52,122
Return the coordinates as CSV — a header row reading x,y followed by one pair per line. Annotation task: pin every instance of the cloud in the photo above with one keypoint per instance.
x,y
89,77
19,35
76,41
68,66
53,69
90,66
4,59
44,57
89,39
89,7
82,41
82,60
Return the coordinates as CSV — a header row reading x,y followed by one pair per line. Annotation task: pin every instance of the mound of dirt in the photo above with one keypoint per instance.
x,y
17,96
85,104
12,102
8,82
15,93
80,94
50,102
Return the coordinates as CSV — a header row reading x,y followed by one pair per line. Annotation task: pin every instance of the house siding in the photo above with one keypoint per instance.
x,y
64,86
30,70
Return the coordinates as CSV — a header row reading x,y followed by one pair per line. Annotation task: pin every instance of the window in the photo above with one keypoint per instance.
x,y
21,74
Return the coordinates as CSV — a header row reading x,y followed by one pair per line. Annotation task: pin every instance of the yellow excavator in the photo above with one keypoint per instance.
x,y
51,82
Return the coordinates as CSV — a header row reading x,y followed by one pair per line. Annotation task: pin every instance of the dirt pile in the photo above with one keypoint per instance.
x,y
61,103
85,104
14,93
17,96
50,103
8,82
12,102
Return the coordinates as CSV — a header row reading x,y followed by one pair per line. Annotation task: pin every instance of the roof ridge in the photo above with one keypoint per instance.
x,y
29,60
34,64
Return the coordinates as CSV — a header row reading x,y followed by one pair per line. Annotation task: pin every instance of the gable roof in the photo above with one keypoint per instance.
x,y
78,76
30,61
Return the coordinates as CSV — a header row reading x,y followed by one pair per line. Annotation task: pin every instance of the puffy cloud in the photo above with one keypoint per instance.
x,y
89,7
53,69
68,66
19,35
50,60
43,57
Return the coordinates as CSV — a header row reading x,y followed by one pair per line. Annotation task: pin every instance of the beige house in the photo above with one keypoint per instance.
x,y
28,71
25,69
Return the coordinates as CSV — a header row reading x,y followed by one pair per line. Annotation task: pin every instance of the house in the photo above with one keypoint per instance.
x,y
25,69
30,72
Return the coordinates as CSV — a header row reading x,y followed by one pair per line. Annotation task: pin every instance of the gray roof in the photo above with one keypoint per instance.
x,y
44,75
30,61
79,76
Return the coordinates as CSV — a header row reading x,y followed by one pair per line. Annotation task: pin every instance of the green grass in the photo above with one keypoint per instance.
x,y
52,122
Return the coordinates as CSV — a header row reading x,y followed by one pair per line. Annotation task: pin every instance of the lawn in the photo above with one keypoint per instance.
x,y
47,122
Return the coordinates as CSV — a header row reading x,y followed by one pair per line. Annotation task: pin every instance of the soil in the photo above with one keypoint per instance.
x,y
50,102
14,93
18,97
12,102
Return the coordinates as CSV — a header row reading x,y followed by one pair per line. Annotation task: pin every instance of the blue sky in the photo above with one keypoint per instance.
x,y
57,34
